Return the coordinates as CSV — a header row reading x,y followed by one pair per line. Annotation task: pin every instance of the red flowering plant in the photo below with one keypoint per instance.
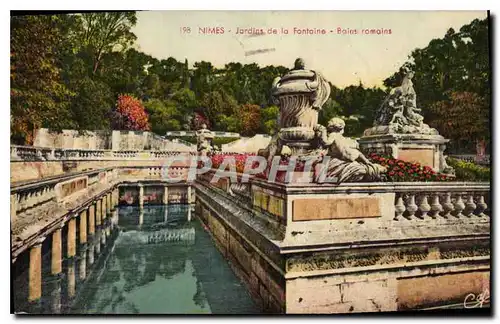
x,y
402,171
300,165
240,160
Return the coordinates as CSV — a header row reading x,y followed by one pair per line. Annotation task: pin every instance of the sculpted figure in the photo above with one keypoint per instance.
x,y
204,140
399,110
346,163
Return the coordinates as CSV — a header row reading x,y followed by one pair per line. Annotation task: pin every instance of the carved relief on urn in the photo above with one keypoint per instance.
x,y
300,94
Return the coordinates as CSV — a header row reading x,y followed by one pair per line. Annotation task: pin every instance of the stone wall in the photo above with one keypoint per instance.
x,y
106,140
72,139
265,284
342,264
38,170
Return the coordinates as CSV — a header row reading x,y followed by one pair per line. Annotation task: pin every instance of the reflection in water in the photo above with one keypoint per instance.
x,y
157,261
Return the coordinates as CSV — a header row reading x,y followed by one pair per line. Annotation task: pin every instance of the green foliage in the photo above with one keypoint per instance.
x,y
163,116
68,70
39,98
92,105
269,119
468,171
453,73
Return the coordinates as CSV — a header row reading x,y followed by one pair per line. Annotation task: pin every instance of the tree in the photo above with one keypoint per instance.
x,y
216,105
458,62
105,32
464,116
130,114
163,116
249,116
269,119
39,98
92,104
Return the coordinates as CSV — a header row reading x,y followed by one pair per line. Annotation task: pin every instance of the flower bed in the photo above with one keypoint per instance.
x,y
403,171
397,170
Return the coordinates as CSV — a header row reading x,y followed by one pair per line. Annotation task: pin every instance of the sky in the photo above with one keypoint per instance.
x,y
344,59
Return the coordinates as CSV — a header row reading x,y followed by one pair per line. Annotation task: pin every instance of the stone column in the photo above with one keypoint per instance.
x,y
13,207
103,207
116,194
35,272
141,216
71,278
189,214
71,238
97,241
82,264
98,213
189,194
141,196
165,218
91,252
83,227
107,230
165,195
91,219
55,296
103,237
56,261
108,203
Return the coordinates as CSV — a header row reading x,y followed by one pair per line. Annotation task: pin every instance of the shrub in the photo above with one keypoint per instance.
x,y
469,171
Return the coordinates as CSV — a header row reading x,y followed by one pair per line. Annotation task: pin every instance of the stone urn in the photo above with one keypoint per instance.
x,y
300,94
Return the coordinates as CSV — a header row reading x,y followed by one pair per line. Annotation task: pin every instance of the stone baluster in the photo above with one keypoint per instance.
x,y
411,207
481,206
470,206
459,206
447,205
424,207
399,208
436,207
14,156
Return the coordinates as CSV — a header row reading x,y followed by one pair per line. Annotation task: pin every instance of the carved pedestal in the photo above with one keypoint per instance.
x,y
424,149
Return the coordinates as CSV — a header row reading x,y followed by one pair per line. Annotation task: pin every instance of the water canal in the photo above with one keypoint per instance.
x,y
160,261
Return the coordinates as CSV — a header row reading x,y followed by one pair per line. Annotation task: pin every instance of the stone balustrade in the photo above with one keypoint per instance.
x,y
448,201
34,194
32,153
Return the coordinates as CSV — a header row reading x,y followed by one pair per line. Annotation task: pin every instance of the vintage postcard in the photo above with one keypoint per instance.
x,y
239,162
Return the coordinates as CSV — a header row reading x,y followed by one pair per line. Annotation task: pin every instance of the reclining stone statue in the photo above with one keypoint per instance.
x,y
346,163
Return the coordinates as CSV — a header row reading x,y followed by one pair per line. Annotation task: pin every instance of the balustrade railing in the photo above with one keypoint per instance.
x,y
446,202
32,153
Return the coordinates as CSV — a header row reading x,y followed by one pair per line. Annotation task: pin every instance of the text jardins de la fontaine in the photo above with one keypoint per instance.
x,y
256,31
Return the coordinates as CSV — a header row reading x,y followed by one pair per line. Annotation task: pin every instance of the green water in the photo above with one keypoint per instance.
x,y
160,262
